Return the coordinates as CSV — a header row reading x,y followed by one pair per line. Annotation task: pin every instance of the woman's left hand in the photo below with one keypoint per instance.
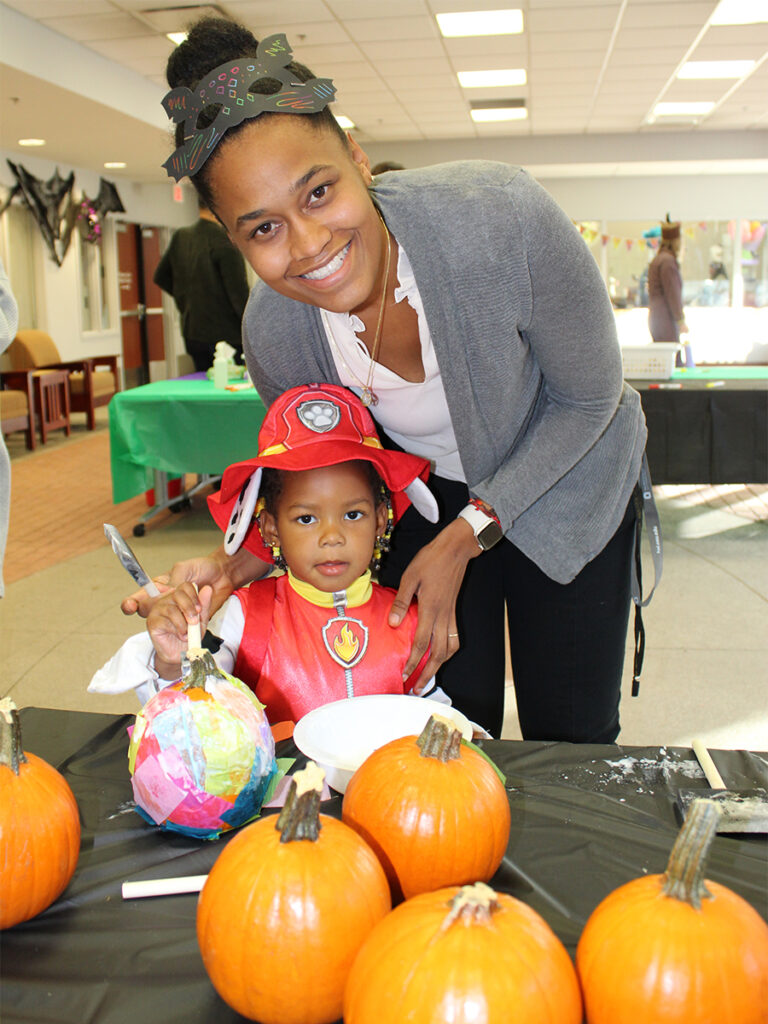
x,y
434,577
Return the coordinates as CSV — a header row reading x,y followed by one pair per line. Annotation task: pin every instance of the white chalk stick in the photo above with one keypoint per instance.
x,y
163,886
714,778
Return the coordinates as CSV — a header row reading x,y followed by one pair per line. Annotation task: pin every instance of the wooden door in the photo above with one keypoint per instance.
x,y
141,309
150,249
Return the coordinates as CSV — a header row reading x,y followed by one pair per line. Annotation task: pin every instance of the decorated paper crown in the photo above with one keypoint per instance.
x,y
229,85
306,428
670,229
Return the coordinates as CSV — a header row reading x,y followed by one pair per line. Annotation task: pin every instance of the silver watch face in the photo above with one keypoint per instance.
x,y
489,535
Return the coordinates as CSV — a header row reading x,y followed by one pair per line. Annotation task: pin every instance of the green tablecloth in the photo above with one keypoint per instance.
x,y
730,373
179,426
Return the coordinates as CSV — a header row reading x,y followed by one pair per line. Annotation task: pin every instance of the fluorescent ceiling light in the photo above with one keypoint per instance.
x,y
716,69
489,79
697,109
486,114
177,38
114,165
481,23
344,122
740,12
31,142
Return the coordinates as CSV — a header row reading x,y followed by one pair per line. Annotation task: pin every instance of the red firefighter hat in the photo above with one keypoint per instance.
x,y
305,428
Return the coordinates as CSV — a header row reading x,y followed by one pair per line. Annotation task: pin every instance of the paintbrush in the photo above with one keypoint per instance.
x,y
740,810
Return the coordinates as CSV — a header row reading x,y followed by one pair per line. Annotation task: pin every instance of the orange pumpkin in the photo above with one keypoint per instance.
x,y
285,910
39,827
462,955
675,948
434,810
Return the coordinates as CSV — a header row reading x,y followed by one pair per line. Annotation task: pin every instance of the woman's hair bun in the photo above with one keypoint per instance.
x,y
211,41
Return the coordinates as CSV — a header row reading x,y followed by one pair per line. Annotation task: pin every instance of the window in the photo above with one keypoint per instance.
x,y
94,289
17,238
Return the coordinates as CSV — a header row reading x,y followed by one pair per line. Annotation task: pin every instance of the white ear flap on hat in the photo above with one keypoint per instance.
x,y
423,499
242,513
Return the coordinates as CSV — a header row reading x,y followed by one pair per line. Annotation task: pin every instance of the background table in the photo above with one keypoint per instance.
x,y
585,819
711,428
173,427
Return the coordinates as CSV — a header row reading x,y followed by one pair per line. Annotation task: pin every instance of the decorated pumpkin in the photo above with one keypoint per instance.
x,y
201,754
39,827
434,810
676,948
463,955
285,909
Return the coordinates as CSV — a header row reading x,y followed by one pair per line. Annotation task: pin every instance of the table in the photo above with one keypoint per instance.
x,y
708,425
585,819
172,427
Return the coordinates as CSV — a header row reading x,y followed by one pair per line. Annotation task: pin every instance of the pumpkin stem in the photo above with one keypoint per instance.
x,y
472,903
684,877
196,666
11,754
440,738
300,816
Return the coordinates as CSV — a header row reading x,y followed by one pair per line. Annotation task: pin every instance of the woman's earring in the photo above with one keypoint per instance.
x,y
277,555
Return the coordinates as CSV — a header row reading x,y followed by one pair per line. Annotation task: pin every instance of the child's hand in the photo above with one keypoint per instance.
x,y
168,621
221,571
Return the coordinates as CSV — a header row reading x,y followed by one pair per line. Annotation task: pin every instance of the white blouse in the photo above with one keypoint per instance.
x,y
420,404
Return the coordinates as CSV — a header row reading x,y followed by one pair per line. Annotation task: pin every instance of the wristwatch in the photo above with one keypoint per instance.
x,y
486,528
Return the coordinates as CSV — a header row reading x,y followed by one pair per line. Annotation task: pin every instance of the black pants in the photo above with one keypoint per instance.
x,y
202,354
567,641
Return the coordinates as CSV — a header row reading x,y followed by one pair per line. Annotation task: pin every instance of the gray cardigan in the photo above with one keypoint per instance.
x,y
525,338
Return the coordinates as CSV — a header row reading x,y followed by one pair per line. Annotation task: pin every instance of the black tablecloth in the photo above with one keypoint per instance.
x,y
585,819
701,435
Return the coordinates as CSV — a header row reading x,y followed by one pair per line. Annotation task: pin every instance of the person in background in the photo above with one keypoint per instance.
x,y
9,323
205,275
463,307
386,165
666,319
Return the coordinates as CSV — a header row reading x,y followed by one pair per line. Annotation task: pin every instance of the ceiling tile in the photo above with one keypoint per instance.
x,y
318,57
406,49
366,30
665,15
565,18
259,12
580,42
131,49
86,28
354,10
38,9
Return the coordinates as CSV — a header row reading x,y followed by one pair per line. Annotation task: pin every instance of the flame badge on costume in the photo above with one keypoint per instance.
x,y
345,640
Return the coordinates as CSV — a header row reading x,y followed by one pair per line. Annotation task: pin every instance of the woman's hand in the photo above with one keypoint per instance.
x,y
221,572
168,622
434,577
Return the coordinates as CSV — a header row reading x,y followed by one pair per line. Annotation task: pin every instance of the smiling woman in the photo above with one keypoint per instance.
x,y
463,305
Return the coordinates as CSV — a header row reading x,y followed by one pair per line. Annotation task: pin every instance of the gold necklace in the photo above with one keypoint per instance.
x,y
369,397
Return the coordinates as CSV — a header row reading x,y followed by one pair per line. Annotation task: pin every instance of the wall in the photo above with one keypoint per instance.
x,y
58,290
697,175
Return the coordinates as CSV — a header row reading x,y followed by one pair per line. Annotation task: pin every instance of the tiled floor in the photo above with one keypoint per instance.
x,y
706,666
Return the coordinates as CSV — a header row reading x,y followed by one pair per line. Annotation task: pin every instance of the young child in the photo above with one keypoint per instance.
x,y
319,487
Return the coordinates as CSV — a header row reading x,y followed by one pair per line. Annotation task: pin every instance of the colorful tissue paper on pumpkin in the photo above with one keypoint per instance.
x,y
201,755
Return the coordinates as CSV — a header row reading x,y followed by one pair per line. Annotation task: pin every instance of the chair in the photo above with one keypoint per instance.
x,y
92,381
17,410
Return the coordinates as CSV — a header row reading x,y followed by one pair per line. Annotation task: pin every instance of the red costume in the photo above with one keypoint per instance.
x,y
300,650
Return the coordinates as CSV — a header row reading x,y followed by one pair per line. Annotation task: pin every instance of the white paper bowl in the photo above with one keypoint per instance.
x,y
339,736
